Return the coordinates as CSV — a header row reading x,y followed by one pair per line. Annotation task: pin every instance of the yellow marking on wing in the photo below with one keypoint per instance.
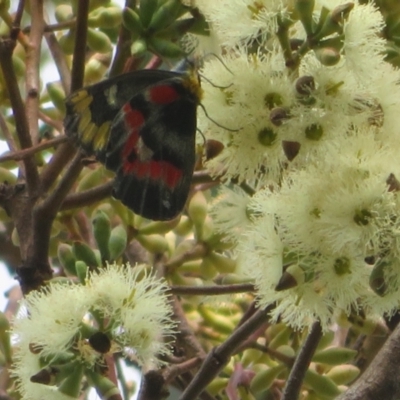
x,y
101,139
82,103
89,133
84,121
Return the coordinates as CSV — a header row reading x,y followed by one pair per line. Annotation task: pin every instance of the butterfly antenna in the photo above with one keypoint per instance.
x,y
202,135
221,61
215,122
213,84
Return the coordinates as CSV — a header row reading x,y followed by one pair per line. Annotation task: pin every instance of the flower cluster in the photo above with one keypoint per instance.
x,y
315,131
73,328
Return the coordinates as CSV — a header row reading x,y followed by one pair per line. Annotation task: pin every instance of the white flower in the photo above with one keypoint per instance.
x,y
364,48
121,308
229,212
243,100
239,22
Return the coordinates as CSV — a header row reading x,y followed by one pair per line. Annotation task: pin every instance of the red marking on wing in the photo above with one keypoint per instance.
x,y
163,94
155,170
134,119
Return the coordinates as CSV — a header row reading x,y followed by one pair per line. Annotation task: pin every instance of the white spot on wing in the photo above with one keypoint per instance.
x,y
144,152
111,95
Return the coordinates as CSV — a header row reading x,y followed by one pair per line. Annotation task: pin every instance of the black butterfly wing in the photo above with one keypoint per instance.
x,y
90,111
152,149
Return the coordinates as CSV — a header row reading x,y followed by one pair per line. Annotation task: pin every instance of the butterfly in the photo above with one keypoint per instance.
x,y
142,126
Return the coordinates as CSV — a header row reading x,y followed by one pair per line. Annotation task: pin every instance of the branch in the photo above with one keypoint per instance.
x,y
60,60
32,62
87,197
122,50
220,356
45,212
78,61
18,108
213,290
67,150
300,366
20,155
381,380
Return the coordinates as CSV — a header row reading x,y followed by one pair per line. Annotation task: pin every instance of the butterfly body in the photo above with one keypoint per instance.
x,y
142,126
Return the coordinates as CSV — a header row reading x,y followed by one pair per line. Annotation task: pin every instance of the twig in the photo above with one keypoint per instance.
x,y
67,150
7,134
54,27
21,154
196,252
32,62
300,366
45,212
122,50
78,62
49,121
59,60
87,197
178,369
186,335
17,104
220,356
213,290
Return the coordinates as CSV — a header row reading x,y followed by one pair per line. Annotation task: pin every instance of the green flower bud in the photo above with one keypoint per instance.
x,y
343,374
71,386
265,378
281,338
106,17
165,15
57,95
132,22
81,269
63,13
334,356
139,47
102,231
159,227
147,9
197,211
250,357
184,227
67,258
165,48
67,42
96,67
98,41
287,351
217,385
321,384
207,268
224,265
84,253
118,241
218,322
156,244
